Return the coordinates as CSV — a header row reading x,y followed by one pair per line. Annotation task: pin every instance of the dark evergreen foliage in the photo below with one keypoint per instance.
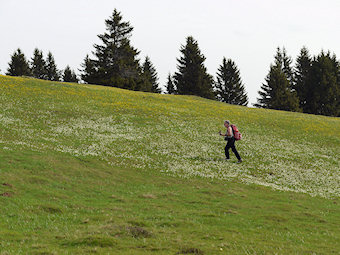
x,y
69,75
52,72
192,77
170,87
277,93
229,87
38,65
302,77
18,65
323,86
89,73
149,79
115,62
284,61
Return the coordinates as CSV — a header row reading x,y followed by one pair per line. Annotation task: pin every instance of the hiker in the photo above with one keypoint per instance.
x,y
231,142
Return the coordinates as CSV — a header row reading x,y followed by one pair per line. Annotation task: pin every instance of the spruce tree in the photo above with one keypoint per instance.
x,y
302,76
89,73
277,93
323,90
287,68
69,75
170,87
229,87
52,72
38,65
115,63
18,65
149,77
192,77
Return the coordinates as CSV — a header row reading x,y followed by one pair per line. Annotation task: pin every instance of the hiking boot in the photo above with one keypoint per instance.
x,y
227,159
240,161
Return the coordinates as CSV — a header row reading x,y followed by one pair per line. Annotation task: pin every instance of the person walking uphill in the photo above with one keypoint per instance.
x,y
231,141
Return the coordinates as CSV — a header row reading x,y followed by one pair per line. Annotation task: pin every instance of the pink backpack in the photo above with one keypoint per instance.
x,y
237,134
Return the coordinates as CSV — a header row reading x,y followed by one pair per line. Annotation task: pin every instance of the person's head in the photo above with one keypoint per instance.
x,y
226,123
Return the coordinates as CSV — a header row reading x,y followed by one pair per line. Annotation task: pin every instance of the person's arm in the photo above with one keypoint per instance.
x,y
222,134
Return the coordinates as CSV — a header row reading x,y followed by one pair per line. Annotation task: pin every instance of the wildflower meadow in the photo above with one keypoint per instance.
x,y
172,134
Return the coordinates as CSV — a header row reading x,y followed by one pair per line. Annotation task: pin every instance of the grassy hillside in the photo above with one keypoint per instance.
x,y
90,169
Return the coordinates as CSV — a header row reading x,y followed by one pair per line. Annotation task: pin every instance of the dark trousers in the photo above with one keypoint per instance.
x,y
231,144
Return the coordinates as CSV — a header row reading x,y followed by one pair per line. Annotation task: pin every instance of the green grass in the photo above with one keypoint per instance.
x,y
89,169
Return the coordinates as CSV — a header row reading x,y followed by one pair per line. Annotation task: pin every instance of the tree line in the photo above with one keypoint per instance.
x,y
311,86
38,67
115,63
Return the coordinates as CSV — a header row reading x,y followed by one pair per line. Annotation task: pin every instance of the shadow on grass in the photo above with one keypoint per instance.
x,y
92,241
190,251
213,159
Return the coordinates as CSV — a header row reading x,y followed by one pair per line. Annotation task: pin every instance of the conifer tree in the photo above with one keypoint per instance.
x,y
192,77
277,93
69,75
323,89
287,68
149,77
115,63
18,65
170,87
38,65
229,87
89,73
52,72
302,76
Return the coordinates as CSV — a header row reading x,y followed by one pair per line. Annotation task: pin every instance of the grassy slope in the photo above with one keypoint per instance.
x,y
95,169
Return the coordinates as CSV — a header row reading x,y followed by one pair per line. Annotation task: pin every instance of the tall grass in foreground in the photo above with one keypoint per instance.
x,y
90,169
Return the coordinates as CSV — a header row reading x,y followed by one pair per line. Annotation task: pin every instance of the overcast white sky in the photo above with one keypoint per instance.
x,y
247,31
